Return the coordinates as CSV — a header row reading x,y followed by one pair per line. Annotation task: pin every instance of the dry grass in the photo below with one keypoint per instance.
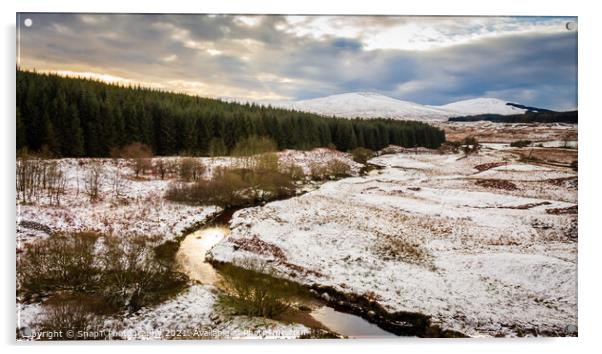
x,y
399,249
496,184
551,155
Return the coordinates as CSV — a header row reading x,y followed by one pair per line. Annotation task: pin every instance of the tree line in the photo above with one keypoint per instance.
x,y
71,117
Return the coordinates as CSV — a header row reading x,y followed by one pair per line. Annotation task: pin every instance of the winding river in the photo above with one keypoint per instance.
x,y
191,259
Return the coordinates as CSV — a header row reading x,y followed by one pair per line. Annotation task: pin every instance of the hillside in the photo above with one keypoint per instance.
x,y
369,105
482,106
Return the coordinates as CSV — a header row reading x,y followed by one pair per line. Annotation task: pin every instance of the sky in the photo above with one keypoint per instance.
x,y
429,60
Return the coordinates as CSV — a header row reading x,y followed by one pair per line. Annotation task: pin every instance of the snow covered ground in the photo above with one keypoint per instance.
x,y
485,251
140,208
490,132
191,315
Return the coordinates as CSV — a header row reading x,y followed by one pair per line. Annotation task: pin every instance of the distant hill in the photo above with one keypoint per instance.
x,y
369,105
545,116
478,106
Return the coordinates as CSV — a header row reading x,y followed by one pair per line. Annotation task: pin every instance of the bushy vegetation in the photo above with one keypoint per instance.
x,y
125,272
190,169
139,154
59,262
253,291
256,176
233,187
332,169
79,117
294,171
361,155
133,273
72,317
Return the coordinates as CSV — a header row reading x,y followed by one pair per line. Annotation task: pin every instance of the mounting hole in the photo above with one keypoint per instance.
x,y
28,22
571,26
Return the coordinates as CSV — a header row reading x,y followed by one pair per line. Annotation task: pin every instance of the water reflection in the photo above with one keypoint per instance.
x,y
191,256
348,325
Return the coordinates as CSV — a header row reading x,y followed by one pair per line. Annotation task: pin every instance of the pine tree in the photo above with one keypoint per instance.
x,y
49,140
74,144
21,134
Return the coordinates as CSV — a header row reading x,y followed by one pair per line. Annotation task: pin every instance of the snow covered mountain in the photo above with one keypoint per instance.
x,y
374,105
369,105
482,106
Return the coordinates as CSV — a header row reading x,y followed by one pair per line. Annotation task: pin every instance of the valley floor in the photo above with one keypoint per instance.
x,y
485,245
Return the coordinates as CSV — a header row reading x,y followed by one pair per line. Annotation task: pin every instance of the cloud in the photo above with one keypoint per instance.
x,y
432,60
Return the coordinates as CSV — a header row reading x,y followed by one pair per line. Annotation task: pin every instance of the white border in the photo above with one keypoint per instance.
x,y
590,107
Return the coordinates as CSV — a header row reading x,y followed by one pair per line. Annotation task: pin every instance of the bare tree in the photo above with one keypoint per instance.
x,y
140,155
36,178
56,182
117,184
191,169
93,181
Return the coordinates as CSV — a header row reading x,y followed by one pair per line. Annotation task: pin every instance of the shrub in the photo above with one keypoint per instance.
x,y
329,170
450,146
61,261
164,168
140,155
133,273
254,291
124,272
338,168
293,171
248,151
71,317
361,155
117,183
520,143
56,182
267,162
470,145
190,169
232,187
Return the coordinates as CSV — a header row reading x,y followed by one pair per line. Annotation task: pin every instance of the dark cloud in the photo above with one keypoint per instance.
x,y
224,55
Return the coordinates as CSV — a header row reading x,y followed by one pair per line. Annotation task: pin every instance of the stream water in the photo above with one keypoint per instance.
x,y
191,259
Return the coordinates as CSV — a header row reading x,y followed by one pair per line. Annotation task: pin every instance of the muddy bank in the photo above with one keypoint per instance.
x,y
400,323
